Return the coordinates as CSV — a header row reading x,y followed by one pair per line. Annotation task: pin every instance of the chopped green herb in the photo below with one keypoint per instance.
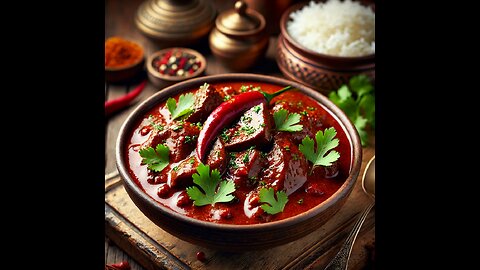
x,y
287,122
257,109
246,119
358,102
232,162
225,135
151,121
295,156
155,159
304,113
177,127
191,161
256,88
226,97
246,158
311,108
262,124
175,168
243,88
189,139
262,183
325,142
183,107
199,125
214,189
271,205
248,129
263,154
286,147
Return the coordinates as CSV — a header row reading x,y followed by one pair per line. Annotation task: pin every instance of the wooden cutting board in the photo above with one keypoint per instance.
x,y
154,248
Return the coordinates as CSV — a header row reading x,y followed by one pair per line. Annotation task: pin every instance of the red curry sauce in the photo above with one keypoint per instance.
x,y
270,158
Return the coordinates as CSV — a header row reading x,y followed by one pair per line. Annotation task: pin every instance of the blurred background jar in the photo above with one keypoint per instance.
x,y
239,39
272,11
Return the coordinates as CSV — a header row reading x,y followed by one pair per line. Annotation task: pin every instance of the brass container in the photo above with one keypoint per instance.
x,y
239,38
175,22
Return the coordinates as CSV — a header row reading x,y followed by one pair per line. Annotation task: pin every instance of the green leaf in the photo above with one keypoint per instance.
x,y
183,107
357,100
360,124
271,205
287,122
367,108
325,142
214,190
361,85
155,159
344,93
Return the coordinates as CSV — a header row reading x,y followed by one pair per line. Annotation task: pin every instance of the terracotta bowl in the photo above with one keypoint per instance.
x,y
226,236
319,71
125,73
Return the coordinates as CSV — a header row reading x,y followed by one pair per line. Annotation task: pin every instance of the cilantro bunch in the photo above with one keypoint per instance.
x,y
357,100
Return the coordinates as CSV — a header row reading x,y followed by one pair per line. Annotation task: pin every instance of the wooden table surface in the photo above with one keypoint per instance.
x,y
119,21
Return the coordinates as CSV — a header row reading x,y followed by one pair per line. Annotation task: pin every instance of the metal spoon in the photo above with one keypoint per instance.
x,y
340,261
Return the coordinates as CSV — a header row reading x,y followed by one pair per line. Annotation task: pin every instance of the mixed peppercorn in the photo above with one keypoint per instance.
x,y
177,62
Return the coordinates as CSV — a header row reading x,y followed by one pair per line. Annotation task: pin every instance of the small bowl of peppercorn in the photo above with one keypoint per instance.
x,y
124,60
171,65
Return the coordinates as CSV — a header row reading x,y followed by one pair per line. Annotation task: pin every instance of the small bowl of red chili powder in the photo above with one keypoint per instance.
x,y
172,65
124,59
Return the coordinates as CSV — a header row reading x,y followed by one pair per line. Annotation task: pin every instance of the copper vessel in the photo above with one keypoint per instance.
x,y
175,22
239,38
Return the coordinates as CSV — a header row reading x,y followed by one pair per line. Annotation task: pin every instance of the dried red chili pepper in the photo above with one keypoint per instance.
x,y
228,111
114,105
118,266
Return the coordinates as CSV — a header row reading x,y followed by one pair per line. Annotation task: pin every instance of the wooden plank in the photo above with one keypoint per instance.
x,y
311,251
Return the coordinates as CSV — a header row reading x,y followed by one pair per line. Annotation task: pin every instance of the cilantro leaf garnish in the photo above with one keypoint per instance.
x,y
287,122
214,190
156,159
358,102
271,205
183,107
325,142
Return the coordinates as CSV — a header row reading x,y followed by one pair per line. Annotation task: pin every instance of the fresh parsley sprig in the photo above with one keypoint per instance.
x,y
271,205
214,190
358,102
325,142
156,159
183,107
287,122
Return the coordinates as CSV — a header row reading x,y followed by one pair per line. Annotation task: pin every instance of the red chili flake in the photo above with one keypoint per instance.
x,y
201,256
118,266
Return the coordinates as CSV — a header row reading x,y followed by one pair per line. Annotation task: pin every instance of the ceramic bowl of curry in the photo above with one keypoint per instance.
x,y
238,161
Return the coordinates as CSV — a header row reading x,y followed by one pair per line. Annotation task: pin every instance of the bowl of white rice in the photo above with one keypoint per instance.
x,y
323,44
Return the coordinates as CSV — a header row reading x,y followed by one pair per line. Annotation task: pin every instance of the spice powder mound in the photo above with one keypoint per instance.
x,y
120,52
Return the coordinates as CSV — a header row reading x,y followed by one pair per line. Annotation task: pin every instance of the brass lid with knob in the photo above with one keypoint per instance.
x,y
175,22
240,21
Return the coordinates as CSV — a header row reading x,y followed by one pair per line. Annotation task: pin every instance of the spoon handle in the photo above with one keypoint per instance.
x,y
340,261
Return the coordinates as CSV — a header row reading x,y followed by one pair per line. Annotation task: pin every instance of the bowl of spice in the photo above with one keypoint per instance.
x,y
176,64
124,59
